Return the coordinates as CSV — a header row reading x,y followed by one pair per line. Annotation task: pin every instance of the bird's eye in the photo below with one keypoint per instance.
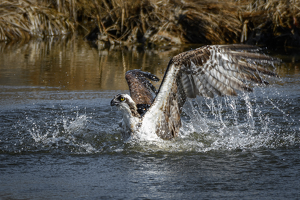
x,y
122,98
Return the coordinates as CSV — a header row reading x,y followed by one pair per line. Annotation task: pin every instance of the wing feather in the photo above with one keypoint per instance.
x,y
140,87
202,90
188,82
207,71
228,79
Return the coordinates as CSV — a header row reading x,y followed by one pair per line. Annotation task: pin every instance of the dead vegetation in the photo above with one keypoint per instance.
x,y
167,22
271,22
21,19
154,21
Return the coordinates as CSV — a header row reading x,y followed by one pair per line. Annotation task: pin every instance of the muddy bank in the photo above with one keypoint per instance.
x,y
152,22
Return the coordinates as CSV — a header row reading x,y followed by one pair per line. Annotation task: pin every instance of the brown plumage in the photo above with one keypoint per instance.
x,y
140,87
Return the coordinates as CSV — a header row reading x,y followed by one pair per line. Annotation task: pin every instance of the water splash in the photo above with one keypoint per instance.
x,y
250,121
262,119
64,133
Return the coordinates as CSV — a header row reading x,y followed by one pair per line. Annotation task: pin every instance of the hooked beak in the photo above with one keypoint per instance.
x,y
114,102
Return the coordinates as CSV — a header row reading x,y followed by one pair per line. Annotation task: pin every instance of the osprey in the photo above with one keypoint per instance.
x,y
206,71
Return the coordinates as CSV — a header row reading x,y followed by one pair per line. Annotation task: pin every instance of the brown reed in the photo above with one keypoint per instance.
x,y
151,21
21,19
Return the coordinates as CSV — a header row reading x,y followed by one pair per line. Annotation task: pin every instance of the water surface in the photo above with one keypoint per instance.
x,y
60,139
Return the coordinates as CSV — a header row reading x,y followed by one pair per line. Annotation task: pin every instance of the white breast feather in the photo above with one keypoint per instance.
x,y
130,123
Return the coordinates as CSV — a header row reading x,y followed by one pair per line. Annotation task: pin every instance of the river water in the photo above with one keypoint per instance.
x,y
60,139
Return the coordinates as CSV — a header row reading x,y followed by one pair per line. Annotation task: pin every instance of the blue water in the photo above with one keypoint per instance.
x,y
60,139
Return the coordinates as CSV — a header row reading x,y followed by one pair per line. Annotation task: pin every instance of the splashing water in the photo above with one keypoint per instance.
x,y
265,118
67,133
250,121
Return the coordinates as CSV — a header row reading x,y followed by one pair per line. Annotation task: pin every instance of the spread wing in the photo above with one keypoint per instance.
x,y
141,89
206,71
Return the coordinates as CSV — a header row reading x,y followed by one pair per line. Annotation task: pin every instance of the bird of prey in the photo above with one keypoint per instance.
x,y
206,71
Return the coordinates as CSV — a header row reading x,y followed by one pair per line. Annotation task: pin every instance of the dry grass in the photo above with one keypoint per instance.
x,y
151,21
20,19
171,22
274,19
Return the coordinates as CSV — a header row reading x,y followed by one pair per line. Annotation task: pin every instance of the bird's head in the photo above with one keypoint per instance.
x,y
121,99
125,103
